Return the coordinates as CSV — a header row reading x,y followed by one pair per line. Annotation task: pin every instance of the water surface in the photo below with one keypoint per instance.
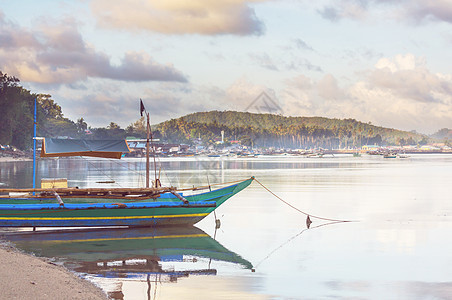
x,y
398,247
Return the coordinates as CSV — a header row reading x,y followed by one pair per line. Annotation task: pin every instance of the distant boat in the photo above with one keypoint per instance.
x,y
93,207
390,155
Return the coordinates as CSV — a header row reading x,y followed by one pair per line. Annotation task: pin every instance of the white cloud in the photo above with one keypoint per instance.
x,y
400,92
56,53
180,16
407,76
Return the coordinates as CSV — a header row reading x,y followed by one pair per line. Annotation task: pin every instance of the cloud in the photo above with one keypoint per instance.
x,y
351,9
120,103
244,95
180,17
408,77
12,36
58,54
282,63
409,10
307,97
419,10
264,60
328,89
302,45
298,64
428,290
399,92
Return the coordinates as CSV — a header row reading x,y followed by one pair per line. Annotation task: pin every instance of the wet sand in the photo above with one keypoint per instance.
x,y
25,276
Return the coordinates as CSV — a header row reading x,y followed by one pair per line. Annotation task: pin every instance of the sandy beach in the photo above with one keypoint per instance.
x,y
28,277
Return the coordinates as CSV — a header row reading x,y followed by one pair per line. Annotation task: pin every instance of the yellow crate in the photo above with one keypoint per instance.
x,y
53,183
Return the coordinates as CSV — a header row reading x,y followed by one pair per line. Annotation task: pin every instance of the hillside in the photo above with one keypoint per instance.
x,y
269,130
443,134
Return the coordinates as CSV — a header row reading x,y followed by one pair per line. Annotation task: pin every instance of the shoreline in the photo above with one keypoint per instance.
x,y
11,158
25,276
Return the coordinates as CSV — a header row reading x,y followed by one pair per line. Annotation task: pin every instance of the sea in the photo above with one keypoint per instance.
x,y
378,228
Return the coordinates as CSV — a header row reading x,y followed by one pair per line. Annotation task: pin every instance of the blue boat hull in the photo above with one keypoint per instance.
x,y
161,212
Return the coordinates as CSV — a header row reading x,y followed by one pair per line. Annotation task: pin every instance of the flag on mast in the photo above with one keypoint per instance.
x,y
142,107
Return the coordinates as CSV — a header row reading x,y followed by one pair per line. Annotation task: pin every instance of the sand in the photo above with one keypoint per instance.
x,y
25,276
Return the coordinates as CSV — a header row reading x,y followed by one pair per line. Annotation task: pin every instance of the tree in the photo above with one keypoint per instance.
x,y
16,105
113,126
137,128
81,126
49,108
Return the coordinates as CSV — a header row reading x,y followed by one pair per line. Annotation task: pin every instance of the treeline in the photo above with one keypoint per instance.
x,y
17,118
267,130
17,115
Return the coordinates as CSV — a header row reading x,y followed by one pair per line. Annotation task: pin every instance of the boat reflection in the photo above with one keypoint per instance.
x,y
135,254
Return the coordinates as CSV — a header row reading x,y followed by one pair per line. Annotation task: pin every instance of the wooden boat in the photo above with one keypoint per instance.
x,y
111,207
93,207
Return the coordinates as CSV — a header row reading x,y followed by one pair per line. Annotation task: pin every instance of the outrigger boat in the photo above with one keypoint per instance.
x,y
98,207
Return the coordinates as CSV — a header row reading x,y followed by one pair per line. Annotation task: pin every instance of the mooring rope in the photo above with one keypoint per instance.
x,y
289,240
305,213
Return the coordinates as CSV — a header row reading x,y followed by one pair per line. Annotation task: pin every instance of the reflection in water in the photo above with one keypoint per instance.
x,y
308,227
132,254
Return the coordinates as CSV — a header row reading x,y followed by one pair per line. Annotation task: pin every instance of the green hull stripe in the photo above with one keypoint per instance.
x,y
111,218
133,238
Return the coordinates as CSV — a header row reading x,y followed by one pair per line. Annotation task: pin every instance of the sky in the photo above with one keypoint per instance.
x,y
387,62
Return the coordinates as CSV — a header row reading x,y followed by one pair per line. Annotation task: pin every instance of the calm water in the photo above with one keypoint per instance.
x,y
398,247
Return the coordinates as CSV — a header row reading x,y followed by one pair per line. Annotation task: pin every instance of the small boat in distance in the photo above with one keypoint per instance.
x,y
390,155
99,207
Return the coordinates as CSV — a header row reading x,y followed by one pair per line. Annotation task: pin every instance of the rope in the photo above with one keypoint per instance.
x,y
305,213
291,239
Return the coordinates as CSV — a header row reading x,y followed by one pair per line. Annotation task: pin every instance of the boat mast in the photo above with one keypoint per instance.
x,y
148,133
34,149
148,145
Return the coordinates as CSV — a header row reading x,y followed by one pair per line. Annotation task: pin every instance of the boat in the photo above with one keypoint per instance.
x,y
390,155
156,205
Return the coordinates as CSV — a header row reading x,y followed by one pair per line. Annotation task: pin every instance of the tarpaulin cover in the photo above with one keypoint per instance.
x,y
95,148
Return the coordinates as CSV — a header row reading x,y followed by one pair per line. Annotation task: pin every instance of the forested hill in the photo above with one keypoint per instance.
x,y
268,130
266,121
